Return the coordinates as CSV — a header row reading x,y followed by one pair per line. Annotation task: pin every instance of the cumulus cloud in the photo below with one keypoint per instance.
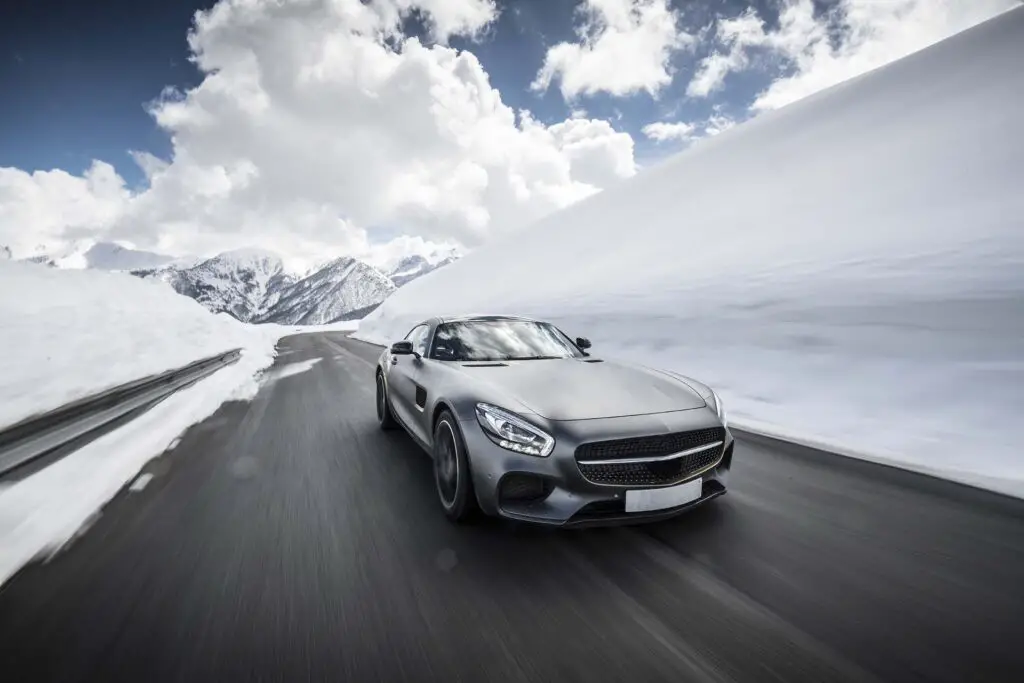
x,y
624,47
661,131
41,211
816,49
687,132
317,127
737,34
447,18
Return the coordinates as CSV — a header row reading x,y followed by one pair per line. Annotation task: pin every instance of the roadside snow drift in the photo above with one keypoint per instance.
x,y
848,269
71,333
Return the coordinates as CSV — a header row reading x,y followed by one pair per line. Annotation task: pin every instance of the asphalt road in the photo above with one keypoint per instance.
x,y
287,539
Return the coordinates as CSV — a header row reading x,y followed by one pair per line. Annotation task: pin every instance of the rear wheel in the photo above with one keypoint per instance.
x,y
384,417
451,470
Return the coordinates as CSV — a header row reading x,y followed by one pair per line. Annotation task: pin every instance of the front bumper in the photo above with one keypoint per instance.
x,y
567,497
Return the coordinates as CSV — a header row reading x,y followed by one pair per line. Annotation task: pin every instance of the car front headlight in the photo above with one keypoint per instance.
x,y
716,404
512,432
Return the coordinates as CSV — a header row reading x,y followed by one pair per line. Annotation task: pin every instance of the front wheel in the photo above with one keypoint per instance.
x,y
384,417
451,470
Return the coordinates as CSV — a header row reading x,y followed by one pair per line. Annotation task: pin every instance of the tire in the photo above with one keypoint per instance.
x,y
384,417
452,477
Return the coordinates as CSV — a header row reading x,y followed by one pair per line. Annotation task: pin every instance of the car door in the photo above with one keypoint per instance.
x,y
401,387
423,384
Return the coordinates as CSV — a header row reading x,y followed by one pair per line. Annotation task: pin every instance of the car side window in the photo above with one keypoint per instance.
x,y
418,337
419,344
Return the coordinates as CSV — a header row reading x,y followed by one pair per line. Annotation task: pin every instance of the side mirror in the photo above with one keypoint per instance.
x,y
583,342
402,348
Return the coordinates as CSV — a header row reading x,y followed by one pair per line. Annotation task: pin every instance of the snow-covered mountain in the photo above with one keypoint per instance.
x,y
243,283
415,266
110,256
253,285
5,253
343,289
99,256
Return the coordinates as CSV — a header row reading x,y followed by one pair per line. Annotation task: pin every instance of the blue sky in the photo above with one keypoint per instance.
x,y
75,76
310,135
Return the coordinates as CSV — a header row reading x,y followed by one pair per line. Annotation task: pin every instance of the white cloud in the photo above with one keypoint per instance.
x,y
717,123
43,210
737,33
316,122
818,50
682,131
624,47
447,18
661,131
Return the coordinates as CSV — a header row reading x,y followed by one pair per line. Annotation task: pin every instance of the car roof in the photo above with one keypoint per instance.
x,y
483,317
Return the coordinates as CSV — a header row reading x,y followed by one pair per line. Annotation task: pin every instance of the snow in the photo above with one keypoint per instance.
x,y
71,333
291,369
87,253
338,289
111,256
847,270
415,265
141,482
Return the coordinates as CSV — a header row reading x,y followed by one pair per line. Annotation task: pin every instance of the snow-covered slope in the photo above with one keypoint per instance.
x,y
848,268
110,256
416,266
69,333
339,289
99,256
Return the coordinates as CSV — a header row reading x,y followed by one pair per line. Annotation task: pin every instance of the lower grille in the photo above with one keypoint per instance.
x,y
523,488
655,472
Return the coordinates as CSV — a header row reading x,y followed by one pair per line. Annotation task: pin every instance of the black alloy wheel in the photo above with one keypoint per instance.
x,y
384,417
451,470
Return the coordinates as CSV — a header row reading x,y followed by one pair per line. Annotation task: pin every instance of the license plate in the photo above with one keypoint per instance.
x,y
659,499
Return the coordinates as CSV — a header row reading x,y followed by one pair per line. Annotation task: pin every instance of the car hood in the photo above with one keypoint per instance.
x,y
574,389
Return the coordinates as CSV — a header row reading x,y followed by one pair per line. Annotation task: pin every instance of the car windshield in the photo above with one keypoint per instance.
x,y
487,340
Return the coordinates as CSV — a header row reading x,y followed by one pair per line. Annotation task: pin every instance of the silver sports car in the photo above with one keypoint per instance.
x,y
522,422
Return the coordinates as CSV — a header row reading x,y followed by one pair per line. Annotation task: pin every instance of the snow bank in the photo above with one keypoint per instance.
x,y
849,268
71,333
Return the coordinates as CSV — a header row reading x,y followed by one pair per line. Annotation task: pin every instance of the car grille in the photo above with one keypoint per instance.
x,y
654,473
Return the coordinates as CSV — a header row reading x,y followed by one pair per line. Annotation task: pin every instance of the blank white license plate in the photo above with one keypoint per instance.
x,y
659,499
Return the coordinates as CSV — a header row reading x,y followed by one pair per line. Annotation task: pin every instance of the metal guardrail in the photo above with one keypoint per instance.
x,y
27,441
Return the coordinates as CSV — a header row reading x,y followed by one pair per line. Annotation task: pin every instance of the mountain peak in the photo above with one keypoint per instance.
x,y
112,256
251,257
417,265
342,289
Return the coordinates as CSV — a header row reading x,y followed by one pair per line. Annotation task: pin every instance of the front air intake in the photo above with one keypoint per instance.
x,y
658,460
